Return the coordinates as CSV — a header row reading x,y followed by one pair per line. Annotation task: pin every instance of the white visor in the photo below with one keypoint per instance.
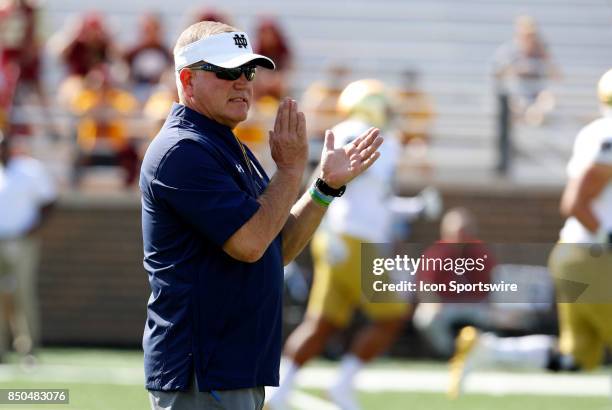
x,y
227,50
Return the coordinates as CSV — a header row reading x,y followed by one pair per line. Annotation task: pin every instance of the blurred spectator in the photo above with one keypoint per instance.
x,y
320,101
522,69
439,321
86,46
103,129
8,81
254,130
208,14
149,57
158,105
271,41
27,193
416,117
20,46
269,87
320,105
415,109
19,40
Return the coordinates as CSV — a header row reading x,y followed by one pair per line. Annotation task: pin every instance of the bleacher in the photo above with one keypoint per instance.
x,y
450,42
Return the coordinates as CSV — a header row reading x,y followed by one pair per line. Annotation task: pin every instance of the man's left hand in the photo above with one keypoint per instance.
x,y
340,165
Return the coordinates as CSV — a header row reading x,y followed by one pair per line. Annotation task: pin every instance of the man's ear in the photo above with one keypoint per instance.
x,y
185,76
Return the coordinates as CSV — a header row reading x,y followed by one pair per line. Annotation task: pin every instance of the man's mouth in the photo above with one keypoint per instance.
x,y
239,99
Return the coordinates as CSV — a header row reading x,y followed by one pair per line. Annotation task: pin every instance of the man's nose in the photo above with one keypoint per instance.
x,y
242,81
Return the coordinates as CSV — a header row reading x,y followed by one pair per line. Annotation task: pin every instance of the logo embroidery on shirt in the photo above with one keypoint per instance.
x,y
240,41
239,168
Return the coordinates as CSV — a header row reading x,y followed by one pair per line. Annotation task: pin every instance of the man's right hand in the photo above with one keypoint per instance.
x,y
290,152
288,142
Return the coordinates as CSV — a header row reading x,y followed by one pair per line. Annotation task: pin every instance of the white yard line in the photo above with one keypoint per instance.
x,y
75,374
302,401
489,382
369,380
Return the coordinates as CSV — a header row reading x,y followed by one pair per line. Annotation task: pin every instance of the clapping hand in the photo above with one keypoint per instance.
x,y
288,142
340,165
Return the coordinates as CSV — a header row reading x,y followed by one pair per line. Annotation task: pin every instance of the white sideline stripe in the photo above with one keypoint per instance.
x,y
479,382
75,374
302,401
369,380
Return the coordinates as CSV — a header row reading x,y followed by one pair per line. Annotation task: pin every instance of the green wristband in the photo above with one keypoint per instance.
x,y
320,197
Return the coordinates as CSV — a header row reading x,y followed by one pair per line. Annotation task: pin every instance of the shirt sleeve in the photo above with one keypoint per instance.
x,y
604,152
194,184
582,153
502,58
593,145
42,185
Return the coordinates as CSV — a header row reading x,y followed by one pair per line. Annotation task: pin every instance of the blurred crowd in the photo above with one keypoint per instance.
x,y
112,98
116,95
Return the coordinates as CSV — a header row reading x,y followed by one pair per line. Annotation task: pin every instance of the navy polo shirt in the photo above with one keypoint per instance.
x,y
207,312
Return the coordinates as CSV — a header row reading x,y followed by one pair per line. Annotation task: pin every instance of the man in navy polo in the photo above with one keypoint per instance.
x,y
217,231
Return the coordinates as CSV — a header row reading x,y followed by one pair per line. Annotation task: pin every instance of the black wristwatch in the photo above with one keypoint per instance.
x,y
327,190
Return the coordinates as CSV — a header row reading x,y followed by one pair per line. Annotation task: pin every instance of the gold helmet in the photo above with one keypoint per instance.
x,y
604,88
366,100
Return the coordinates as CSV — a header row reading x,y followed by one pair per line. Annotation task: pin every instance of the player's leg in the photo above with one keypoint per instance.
x,y
376,338
387,320
308,339
369,343
15,262
474,349
437,322
304,343
27,295
584,327
330,307
432,324
580,343
580,346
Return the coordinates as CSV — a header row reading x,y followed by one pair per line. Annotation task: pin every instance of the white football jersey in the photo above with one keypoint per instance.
x,y
363,211
25,187
593,145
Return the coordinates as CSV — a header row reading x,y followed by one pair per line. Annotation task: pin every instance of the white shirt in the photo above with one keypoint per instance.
x,y
25,187
363,210
593,145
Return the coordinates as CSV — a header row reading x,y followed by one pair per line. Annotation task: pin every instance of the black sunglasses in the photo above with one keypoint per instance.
x,y
230,74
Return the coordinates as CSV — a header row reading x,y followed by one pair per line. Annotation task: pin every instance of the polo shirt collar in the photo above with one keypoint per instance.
x,y
199,120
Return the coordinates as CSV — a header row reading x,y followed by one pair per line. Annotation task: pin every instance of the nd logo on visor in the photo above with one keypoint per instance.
x,y
240,41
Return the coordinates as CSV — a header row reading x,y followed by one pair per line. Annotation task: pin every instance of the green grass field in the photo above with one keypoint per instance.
x,y
107,379
436,401
85,396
